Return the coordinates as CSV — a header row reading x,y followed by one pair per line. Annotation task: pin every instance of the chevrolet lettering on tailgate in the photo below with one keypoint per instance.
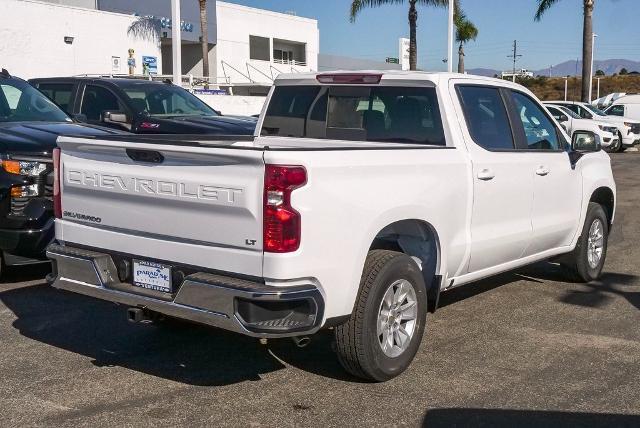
x,y
138,185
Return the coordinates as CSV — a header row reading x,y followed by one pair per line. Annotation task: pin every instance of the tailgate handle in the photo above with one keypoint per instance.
x,y
147,156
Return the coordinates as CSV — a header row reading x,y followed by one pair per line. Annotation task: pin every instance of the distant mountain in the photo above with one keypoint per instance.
x,y
568,68
609,66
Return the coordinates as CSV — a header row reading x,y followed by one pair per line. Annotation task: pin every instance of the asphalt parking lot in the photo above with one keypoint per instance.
x,y
524,348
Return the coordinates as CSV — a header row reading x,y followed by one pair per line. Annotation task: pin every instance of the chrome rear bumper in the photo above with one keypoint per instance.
x,y
239,305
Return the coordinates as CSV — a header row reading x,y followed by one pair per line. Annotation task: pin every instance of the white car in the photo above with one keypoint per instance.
x,y
362,197
628,129
627,106
572,123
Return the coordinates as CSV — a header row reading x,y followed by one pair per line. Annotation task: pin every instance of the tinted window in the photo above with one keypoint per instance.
x,y
164,100
259,48
617,110
356,113
556,113
539,131
21,102
60,93
97,100
486,117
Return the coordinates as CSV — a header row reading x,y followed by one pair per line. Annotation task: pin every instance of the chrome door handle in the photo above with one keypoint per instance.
x,y
542,171
486,174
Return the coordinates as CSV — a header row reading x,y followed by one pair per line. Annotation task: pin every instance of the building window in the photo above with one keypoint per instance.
x,y
259,48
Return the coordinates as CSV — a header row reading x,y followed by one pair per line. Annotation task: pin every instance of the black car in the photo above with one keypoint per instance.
x,y
29,126
140,106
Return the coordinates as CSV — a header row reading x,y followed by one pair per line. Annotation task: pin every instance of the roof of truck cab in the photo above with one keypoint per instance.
x,y
435,77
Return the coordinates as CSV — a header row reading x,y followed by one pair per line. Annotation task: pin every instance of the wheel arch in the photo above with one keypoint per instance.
x,y
604,196
418,239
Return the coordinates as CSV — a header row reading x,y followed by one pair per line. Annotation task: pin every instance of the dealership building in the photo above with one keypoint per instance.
x,y
248,47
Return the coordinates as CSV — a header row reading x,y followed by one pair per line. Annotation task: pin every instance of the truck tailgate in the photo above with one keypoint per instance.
x,y
195,195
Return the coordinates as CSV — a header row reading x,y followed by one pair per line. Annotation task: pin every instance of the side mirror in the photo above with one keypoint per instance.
x,y
563,118
585,141
116,118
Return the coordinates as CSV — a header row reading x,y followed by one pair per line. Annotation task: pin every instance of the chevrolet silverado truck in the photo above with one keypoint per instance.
x,y
29,126
360,199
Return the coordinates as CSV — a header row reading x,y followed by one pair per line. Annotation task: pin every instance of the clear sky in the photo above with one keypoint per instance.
x,y
557,38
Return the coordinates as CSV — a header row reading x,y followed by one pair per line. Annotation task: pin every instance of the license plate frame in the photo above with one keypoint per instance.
x,y
152,276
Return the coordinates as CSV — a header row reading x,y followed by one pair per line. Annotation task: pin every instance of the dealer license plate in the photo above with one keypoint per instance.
x,y
154,276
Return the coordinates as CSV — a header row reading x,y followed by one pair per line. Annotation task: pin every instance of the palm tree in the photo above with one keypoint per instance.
x,y
204,40
587,39
146,28
358,5
465,32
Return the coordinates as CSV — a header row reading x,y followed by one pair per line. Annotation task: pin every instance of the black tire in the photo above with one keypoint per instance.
x,y
577,264
3,267
357,343
621,148
616,147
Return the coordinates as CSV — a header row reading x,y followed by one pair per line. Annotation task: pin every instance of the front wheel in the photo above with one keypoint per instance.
x,y
621,147
587,259
614,148
385,329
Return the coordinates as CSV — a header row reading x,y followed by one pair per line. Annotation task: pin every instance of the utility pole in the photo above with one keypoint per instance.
x,y
566,79
176,42
450,37
515,57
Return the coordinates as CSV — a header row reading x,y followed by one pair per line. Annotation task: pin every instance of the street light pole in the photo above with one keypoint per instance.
x,y
598,93
593,51
566,80
176,42
450,38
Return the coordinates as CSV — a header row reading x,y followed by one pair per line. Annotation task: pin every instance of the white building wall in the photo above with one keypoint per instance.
x,y
32,40
236,23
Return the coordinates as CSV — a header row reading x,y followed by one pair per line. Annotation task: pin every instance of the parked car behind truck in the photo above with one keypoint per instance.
x,y
571,122
361,199
140,106
29,126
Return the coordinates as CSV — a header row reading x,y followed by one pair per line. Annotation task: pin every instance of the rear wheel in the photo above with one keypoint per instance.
x,y
385,330
586,261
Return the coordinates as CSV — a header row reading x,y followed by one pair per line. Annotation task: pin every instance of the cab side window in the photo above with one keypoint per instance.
x,y
97,100
59,93
539,130
486,117
617,110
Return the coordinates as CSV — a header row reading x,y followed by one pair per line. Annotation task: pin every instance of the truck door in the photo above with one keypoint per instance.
x,y
557,188
502,180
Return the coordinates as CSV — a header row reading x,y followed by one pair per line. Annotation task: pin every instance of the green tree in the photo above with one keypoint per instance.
x,y
465,32
587,39
358,5
624,72
600,73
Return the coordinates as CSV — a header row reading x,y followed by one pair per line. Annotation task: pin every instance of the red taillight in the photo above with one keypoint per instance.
x,y
349,78
57,200
281,223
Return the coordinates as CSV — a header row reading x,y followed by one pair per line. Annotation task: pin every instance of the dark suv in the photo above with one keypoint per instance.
x,y
29,126
140,106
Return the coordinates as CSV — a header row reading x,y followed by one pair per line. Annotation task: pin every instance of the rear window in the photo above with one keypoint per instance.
x,y
355,113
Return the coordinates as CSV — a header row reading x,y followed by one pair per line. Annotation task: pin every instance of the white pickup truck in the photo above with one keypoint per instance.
x,y
361,197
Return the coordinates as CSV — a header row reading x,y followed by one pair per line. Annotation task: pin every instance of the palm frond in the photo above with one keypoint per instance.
x,y
358,5
146,28
543,6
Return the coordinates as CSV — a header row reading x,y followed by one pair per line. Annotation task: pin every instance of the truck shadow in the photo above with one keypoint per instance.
x,y
181,352
594,294
203,356
524,418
